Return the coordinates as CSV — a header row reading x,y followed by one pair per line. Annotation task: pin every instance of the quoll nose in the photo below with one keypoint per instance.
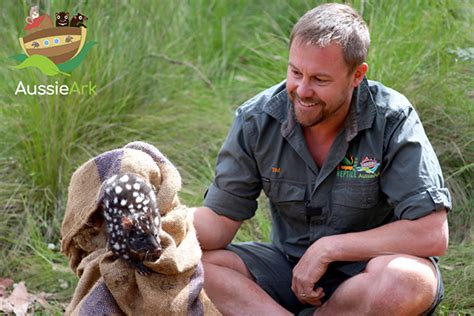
x,y
157,252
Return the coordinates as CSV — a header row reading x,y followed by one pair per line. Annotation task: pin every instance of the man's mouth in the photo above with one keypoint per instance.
x,y
307,104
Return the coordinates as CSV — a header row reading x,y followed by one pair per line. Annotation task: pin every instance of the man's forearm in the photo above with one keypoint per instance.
x,y
424,237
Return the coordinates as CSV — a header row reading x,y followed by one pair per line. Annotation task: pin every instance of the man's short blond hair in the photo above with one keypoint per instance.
x,y
334,23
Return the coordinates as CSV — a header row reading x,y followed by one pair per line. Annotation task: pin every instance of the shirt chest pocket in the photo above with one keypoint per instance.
x,y
354,205
288,197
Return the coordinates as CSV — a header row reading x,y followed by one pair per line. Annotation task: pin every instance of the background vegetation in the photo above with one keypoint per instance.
x,y
172,72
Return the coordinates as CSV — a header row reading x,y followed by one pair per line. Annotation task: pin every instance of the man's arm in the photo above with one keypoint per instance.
x,y
214,231
423,237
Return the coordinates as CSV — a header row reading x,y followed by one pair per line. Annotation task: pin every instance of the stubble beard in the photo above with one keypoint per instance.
x,y
306,121
319,117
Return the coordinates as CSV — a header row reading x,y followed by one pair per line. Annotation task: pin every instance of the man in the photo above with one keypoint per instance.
x,y
356,192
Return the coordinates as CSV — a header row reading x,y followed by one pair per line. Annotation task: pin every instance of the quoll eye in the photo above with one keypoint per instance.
x,y
80,17
58,17
66,17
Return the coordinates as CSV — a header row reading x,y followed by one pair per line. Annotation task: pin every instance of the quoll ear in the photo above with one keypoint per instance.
x,y
127,224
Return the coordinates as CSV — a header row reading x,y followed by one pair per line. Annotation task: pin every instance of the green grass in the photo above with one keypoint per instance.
x,y
172,73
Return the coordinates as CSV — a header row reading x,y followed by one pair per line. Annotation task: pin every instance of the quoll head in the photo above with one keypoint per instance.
x,y
132,216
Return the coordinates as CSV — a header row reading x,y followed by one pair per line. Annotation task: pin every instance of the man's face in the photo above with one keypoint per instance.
x,y
319,82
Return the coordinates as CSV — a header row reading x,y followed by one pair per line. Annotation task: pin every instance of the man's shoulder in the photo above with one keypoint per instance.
x,y
388,101
255,107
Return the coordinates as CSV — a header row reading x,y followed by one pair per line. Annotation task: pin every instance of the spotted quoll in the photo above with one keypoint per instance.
x,y
132,219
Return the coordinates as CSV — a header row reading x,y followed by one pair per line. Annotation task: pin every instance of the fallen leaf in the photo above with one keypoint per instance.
x,y
5,284
20,299
41,299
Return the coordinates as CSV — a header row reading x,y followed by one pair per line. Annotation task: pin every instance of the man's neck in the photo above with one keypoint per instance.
x,y
319,138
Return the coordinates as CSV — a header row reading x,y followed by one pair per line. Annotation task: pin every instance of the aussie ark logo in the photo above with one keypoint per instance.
x,y
55,47
354,167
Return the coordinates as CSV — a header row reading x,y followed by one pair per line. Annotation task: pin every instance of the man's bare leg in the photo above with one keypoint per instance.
x,y
231,287
390,285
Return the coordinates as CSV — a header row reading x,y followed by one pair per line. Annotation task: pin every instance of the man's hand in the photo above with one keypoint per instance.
x,y
308,271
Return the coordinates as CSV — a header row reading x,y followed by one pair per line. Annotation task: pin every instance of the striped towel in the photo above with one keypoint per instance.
x,y
107,285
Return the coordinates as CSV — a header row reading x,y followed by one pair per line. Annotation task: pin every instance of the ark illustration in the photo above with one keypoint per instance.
x,y
59,44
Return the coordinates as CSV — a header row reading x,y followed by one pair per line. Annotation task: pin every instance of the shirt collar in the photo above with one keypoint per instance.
x,y
361,113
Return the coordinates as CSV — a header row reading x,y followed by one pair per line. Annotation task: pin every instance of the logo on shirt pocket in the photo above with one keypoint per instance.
x,y
368,166
354,167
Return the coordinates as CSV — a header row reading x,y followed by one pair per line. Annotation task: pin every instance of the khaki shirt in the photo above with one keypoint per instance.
x,y
381,168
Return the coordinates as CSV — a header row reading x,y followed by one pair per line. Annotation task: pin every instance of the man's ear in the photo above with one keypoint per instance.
x,y
359,74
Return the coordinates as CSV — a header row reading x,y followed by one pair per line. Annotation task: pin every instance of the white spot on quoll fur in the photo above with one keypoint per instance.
x,y
136,186
128,186
139,198
116,246
124,178
135,194
118,189
123,202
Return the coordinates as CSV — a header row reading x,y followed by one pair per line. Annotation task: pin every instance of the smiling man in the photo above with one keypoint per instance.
x,y
358,202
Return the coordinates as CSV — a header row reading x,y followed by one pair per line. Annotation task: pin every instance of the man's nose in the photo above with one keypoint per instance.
x,y
304,90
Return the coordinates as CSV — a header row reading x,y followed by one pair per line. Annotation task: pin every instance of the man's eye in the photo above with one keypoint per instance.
x,y
296,73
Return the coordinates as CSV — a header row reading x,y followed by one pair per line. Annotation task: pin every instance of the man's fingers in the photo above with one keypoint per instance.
x,y
313,298
317,294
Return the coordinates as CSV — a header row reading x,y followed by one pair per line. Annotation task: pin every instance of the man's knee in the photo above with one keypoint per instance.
x,y
224,259
402,284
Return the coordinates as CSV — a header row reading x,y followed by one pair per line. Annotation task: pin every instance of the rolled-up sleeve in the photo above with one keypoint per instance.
x,y
237,183
411,177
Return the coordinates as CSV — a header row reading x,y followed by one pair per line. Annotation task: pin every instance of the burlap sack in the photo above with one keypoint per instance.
x,y
107,285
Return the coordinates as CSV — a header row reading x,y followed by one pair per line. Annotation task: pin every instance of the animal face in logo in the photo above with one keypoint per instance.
x,y
62,19
78,20
34,14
